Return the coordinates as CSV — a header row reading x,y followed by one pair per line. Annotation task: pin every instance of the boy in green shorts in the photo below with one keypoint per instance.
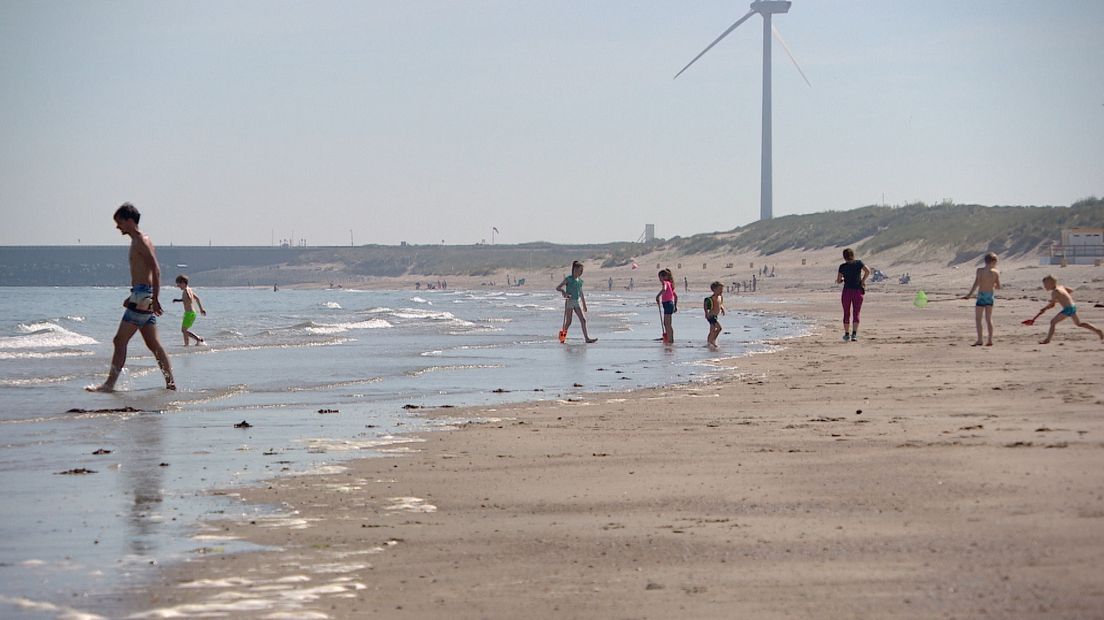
x,y
188,298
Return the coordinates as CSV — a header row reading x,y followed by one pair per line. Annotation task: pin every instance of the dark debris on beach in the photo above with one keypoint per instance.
x,y
76,471
127,409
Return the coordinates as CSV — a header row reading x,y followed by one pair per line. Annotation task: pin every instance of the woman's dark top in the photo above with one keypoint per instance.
x,y
852,274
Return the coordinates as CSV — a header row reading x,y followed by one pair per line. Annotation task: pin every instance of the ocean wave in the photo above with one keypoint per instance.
x,y
484,329
334,385
313,327
202,397
332,305
283,345
416,313
35,381
428,369
336,444
338,328
43,335
419,300
42,355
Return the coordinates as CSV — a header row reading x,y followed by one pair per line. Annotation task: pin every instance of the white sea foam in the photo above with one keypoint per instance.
x,y
35,381
258,347
227,582
419,300
332,305
410,504
281,602
327,444
58,611
429,369
335,385
323,470
416,313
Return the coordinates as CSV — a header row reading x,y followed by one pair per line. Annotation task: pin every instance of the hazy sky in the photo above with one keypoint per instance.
x,y
242,122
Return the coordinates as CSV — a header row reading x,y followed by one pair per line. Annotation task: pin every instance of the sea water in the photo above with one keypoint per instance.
x,y
274,359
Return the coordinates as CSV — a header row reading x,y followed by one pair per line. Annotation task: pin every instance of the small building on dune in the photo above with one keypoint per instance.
x,y
1079,246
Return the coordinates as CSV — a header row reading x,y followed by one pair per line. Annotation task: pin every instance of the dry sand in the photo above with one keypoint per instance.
x,y
908,475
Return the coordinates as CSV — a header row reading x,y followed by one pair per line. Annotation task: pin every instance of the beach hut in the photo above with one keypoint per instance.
x,y
1079,246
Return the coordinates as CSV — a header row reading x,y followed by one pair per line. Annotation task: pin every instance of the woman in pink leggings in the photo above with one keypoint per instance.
x,y
853,274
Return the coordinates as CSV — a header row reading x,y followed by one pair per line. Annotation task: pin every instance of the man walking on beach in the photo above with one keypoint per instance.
x,y
142,306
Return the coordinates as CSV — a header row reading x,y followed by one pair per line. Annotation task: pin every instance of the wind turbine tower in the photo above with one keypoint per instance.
x,y
765,8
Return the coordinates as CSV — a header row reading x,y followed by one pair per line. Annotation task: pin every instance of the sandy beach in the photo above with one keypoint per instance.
x,y
907,475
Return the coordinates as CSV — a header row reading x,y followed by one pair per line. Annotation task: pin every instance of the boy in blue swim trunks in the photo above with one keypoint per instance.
x,y
142,306
986,282
714,305
1063,296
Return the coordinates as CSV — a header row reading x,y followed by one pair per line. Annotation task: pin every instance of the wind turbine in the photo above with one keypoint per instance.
x,y
766,8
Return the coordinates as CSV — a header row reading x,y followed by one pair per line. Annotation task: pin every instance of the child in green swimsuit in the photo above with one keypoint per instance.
x,y
188,298
714,305
574,301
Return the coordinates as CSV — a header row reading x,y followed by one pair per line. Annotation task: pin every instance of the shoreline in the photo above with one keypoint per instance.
x,y
908,475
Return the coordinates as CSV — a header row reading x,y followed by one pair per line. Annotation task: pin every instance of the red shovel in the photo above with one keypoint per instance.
x,y
1031,321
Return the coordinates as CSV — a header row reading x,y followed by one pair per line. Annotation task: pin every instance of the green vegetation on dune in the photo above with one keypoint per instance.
x,y
965,230
960,231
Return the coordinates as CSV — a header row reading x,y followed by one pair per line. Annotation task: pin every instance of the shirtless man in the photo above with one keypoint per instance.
x,y
142,306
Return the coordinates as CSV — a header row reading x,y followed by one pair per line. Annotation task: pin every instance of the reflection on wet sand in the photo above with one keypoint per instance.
x,y
141,479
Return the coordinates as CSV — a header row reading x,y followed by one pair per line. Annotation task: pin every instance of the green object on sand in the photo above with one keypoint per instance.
x,y
921,299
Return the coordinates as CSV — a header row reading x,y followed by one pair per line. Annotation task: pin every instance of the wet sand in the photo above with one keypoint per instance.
x,y
908,475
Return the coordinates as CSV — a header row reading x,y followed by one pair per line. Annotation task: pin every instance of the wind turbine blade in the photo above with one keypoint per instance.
x,y
716,41
778,35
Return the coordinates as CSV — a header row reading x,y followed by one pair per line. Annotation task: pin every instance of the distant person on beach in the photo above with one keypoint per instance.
x,y
986,282
574,301
189,298
142,306
1063,296
853,273
714,305
668,298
